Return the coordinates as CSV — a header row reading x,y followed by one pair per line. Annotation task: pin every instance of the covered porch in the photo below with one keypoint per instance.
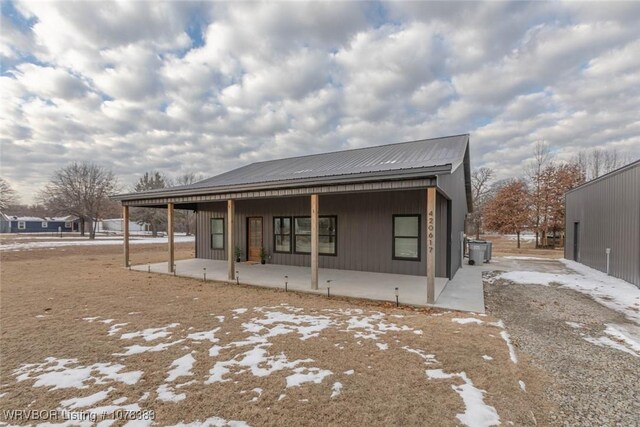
x,y
464,292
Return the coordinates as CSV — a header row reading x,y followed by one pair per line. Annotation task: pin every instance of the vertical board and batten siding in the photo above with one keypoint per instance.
x,y
454,187
364,223
608,210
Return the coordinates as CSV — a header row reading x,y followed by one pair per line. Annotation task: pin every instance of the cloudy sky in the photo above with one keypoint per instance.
x,y
206,87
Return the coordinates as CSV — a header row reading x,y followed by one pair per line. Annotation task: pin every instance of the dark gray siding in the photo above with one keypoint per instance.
x,y
453,187
364,240
608,211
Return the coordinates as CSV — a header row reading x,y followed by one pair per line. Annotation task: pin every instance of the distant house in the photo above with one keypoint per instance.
x,y
115,225
34,224
603,223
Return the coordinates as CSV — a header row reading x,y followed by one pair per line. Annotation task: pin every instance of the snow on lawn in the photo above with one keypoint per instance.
x,y
466,320
181,367
213,422
231,361
609,291
336,390
26,246
69,373
477,413
151,333
83,402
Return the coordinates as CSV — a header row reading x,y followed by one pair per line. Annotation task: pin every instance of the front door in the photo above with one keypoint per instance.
x,y
254,238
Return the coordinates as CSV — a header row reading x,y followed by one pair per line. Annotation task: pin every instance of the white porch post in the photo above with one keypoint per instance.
x,y
125,229
170,236
431,244
314,241
231,266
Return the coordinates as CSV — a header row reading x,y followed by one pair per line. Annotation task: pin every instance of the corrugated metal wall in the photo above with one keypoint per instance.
x,y
454,186
608,213
364,240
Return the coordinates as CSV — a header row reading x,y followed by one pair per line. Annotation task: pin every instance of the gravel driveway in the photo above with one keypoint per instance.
x,y
591,385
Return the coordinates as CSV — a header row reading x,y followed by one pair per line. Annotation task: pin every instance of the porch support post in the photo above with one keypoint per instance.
x,y
314,241
231,266
431,244
170,236
125,230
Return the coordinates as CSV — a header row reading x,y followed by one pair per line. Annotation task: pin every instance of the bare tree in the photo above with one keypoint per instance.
x,y
542,158
480,191
156,218
8,195
80,189
509,210
186,219
598,162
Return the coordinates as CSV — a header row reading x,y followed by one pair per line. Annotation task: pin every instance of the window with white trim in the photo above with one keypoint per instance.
x,y
22,225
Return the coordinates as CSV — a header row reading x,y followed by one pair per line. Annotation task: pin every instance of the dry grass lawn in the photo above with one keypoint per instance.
x,y
62,303
508,245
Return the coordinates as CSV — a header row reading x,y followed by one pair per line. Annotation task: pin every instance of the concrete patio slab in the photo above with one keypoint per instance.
x,y
465,295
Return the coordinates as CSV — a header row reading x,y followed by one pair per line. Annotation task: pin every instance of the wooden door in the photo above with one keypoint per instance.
x,y
254,238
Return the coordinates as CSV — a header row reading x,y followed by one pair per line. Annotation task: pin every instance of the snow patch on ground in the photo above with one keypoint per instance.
x,y
138,349
166,394
204,335
382,346
507,339
27,246
181,367
487,358
68,373
464,321
83,402
150,334
349,372
428,359
213,422
575,325
477,413
609,291
305,375
622,339
336,389
523,386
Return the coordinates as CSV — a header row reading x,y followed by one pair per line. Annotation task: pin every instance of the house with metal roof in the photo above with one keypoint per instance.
x,y
395,210
602,223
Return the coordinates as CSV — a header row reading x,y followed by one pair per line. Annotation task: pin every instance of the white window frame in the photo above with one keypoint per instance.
x,y
45,224
22,225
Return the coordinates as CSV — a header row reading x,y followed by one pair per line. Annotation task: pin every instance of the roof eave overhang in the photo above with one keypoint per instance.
x,y
397,175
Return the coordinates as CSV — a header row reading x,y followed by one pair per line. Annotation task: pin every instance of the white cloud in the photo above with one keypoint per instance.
x,y
206,87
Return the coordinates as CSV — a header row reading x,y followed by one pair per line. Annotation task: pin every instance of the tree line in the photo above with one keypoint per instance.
x,y
84,189
535,201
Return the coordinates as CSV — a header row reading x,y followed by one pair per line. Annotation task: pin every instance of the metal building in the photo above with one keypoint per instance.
x,y
395,209
603,221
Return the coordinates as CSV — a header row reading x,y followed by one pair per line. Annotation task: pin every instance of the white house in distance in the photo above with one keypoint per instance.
x,y
115,225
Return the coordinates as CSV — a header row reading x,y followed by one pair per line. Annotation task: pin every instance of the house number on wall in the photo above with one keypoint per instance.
x,y
430,227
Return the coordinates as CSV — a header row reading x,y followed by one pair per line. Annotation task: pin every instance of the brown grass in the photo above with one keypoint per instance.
x,y
504,245
389,387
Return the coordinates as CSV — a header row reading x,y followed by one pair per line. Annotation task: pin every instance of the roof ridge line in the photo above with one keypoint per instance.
x,y
354,149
